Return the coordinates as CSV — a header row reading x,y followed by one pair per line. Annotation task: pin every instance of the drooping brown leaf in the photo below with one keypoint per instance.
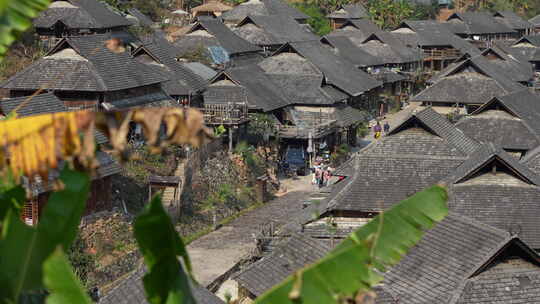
x,y
31,146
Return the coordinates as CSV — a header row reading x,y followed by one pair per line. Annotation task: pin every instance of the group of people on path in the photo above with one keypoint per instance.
x,y
378,129
321,174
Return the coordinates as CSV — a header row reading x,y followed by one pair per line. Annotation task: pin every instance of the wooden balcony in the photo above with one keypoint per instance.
x,y
441,54
225,114
317,131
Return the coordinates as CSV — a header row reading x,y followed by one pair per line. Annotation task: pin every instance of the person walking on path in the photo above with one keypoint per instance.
x,y
377,129
386,127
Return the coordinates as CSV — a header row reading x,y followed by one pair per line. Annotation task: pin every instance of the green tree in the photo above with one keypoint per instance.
x,y
388,14
317,17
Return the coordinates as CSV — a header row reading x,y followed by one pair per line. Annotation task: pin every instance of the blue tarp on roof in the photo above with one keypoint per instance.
x,y
219,55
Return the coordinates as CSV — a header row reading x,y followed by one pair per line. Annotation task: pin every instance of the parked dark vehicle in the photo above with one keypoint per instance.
x,y
295,157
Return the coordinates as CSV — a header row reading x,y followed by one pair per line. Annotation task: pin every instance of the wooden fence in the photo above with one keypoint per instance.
x,y
225,114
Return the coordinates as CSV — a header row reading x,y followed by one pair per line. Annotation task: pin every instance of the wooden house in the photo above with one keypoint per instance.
x,y
438,45
211,38
139,19
271,32
510,122
344,12
311,74
417,153
263,8
529,48
515,22
357,30
93,72
158,53
465,86
535,21
487,264
67,18
394,83
479,27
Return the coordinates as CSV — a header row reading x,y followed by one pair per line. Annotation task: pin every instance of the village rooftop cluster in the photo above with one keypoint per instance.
x,y
473,79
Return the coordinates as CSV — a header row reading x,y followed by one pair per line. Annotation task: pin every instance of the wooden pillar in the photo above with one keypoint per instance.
x,y
230,139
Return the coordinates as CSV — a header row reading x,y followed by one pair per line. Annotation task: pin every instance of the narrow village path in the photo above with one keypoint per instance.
x,y
215,253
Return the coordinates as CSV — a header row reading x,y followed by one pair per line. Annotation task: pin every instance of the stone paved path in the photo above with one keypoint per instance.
x,y
215,253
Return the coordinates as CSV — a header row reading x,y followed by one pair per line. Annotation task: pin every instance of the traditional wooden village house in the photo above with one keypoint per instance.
x,y
344,12
212,9
91,72
535,21
271,32
263,8
439,46
459,261
528,47
130,290
464,261
465,86
511,122
512,64
66,18
393,81
214,40
515,22
183,83
487,183
356,30
479,27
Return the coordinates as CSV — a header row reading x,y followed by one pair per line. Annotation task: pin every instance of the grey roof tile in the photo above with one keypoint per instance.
x,y
39,104
349,11
131,291
291,255
476,23
272,30
263,8
91,67
83,14
512,20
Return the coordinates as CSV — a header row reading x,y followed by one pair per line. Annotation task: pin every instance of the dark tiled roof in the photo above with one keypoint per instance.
x,y
440,126
337,71
263,8
432,33
356,30
131,291
532,39
476,23
39,104
344,47
445,257
302,89
82,14
277,30
165,53
262,92
225,38
535,20
512,20
349,11
514,66
509,283
84,64
292,254
473,81
511,121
